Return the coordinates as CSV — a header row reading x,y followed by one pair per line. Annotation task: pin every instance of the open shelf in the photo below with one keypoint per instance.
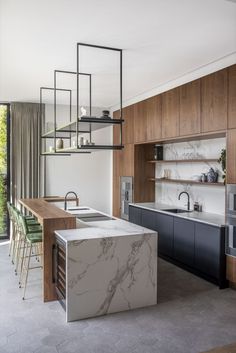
x,y
184,160
184,181
86,125
84,149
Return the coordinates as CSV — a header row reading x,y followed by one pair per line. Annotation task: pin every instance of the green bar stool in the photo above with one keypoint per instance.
x,y
32,239
32,226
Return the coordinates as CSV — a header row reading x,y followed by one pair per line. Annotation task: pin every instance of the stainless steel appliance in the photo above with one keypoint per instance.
x,y
126,195
231,220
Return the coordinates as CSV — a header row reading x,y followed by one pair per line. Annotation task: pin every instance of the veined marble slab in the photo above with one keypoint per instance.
x,y
111,266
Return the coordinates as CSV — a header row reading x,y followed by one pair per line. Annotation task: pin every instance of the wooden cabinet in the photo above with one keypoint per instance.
x,y
189,123
153,118
170,113
123,165
116,129
214,101
140,122
128,125
231,157
232,97
127,160
184,241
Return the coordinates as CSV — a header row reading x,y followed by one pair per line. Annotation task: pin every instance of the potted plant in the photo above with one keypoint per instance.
x,y
222,161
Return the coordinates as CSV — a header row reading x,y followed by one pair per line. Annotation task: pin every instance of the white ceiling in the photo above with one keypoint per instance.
x,y
162,40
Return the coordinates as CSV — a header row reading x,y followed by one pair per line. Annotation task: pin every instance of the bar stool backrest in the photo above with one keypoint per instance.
x,y
22,223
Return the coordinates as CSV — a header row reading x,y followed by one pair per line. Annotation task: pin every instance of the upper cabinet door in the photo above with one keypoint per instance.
x,y
170,113
190,108
214,101
153,111
231,157
128,125
116,129
140,122
232,97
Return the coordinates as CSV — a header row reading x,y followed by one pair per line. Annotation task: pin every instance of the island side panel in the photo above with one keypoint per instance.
x,y
49,227
109,275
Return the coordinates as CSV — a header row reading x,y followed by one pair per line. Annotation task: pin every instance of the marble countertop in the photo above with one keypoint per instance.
x,y
203,217
100,229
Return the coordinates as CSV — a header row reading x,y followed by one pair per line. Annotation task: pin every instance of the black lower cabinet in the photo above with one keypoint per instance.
x,y
135,215
149,219
210,252
184,241
164,227
195,246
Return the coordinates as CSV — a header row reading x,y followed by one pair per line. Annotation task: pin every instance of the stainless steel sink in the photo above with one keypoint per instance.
x,y
93,217
175,210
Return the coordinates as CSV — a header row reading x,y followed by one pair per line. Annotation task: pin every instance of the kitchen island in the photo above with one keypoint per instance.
x,y
109,266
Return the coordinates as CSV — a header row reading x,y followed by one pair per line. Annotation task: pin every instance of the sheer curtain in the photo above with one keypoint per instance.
x,y
26,168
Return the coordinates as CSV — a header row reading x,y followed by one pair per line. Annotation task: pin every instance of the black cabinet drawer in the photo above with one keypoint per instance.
x,y
184,241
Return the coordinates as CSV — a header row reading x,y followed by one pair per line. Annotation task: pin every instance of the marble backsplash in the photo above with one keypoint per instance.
x,y
212,198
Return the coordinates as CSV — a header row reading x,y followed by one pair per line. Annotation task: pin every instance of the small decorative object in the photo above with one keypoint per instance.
x,y
86,141
105,114
222,161
204,178
81,141
51,149
83,111
197,207
167,174
74,143
212,176
59,144
158,152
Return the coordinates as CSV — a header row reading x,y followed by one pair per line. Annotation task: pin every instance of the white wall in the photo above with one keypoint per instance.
x,y
89,175
212,198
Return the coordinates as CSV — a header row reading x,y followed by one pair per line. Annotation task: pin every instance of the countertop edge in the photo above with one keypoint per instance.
x,y
180,215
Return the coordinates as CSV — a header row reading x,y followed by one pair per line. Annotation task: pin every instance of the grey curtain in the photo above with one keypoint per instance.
x,y
25,151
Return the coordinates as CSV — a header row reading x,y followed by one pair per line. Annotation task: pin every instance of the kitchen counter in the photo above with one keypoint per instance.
x,y
111,266
203,217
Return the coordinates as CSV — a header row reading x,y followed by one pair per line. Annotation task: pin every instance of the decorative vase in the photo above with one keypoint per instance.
x,y
212,176
60,144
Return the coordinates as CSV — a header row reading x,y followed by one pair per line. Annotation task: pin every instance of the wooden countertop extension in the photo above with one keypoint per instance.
x,y
42,209
51,218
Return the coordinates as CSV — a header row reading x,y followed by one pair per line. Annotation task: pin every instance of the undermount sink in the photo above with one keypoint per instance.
x,y
176,210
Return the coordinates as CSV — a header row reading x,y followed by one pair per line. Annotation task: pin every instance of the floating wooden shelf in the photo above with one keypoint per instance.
x,y
183,181
184,160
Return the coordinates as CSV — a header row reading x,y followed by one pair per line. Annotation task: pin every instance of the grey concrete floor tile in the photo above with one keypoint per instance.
x,y
192,315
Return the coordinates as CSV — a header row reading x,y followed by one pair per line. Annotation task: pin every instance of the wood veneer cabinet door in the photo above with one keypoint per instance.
x,y
116,129
116,182
190,108
232,97
153,118
214,101
140,122
127,160
170,113
128,126
231,157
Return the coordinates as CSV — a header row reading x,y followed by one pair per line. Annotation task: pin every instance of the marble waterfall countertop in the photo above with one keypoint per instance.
x,y
203,217
111,266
